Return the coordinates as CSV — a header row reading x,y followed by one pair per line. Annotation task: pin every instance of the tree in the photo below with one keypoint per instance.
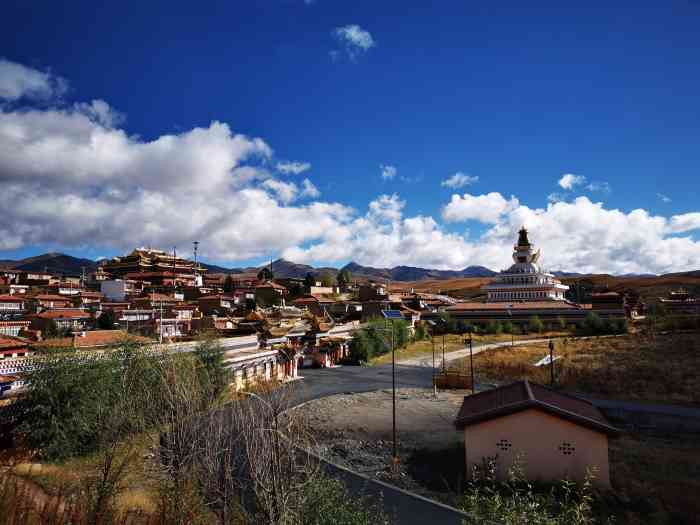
x,y
419,333
494,327
561,322
344,278
360,347
309,281
106,320
265,274
507,327
326,280
593,324
228,284
213,375
535,325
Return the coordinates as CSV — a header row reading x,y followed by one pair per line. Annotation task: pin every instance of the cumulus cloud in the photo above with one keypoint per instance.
x,y
293,168
581,236
18,81
459,180
388,172
354,41
309,190
568,181
484,208
71,177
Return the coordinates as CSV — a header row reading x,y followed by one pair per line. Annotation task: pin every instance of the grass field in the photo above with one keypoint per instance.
x,y
633,367
656,479
453,342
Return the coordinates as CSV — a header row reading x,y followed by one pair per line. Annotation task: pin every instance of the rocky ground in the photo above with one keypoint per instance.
x,y
355,431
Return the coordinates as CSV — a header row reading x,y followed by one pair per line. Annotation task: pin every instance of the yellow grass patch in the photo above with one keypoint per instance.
x,y
634,366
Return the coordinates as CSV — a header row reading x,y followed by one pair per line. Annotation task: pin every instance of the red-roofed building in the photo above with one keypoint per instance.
x,y
11,348
46,301
11,304
555,436
65,318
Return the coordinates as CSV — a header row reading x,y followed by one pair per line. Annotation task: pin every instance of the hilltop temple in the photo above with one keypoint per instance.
x,y
524,280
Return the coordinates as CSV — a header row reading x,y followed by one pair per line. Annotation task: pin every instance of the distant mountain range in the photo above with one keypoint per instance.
x,y
68,265
58,263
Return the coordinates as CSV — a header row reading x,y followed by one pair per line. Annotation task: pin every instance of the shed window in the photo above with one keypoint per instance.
x,y
504,445
567,448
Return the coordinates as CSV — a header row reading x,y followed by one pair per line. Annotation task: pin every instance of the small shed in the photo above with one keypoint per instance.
x,y
555,436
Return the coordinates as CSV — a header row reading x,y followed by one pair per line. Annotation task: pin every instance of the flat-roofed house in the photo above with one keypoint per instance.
x,y
555,436
11,304
65,318
48,301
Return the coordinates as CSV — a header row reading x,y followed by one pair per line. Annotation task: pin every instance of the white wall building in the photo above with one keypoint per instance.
x,y
524,280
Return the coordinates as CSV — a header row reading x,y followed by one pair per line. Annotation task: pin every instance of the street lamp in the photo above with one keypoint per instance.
x,y
432,325
391,315
510,315
551,361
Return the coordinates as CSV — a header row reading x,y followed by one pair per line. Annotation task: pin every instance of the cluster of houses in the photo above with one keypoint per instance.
x,y
268,327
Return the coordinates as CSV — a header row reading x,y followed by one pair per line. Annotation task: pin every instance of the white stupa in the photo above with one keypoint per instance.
x,y
524,280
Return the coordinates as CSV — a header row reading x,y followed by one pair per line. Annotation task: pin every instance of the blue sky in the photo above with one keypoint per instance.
x,y
511,97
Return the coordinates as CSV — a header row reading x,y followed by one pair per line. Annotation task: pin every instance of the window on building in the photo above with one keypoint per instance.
x,y
567,448
504,445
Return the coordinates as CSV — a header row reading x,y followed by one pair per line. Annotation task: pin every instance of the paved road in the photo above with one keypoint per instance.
x,y
322,382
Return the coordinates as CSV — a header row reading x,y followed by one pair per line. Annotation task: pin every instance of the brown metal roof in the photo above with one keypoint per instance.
x,y
524,395
529,305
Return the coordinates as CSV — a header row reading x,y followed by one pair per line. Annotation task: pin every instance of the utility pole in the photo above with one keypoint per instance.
x,y
471,362
196,244
393,396
432,342
174,255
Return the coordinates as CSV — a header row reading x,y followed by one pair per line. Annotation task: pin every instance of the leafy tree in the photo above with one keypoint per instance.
x,y
228,284
326,279
446,323
265,274
507,327
535,325
212,373
494,327
420,333
360,349
561,322
106,320
593,324
344,278
309,281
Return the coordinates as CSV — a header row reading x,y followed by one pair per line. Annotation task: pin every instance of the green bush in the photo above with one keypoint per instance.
x,y
516,501
494,328
535,325
330,503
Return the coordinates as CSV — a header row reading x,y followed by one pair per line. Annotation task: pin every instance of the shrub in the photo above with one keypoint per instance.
x,y
535,325
494,327
508,327
419,333
515,500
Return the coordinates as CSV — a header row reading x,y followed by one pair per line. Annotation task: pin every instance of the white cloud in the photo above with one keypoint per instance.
x,y
579,236
603,187
70,176
18,81
354,40
309,190
286,192
663,197
388,172
294,168
484,208
568,181
459,180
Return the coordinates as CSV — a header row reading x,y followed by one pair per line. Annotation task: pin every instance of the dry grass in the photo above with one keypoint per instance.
x,y
453,342
634,367
656,478
69,477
